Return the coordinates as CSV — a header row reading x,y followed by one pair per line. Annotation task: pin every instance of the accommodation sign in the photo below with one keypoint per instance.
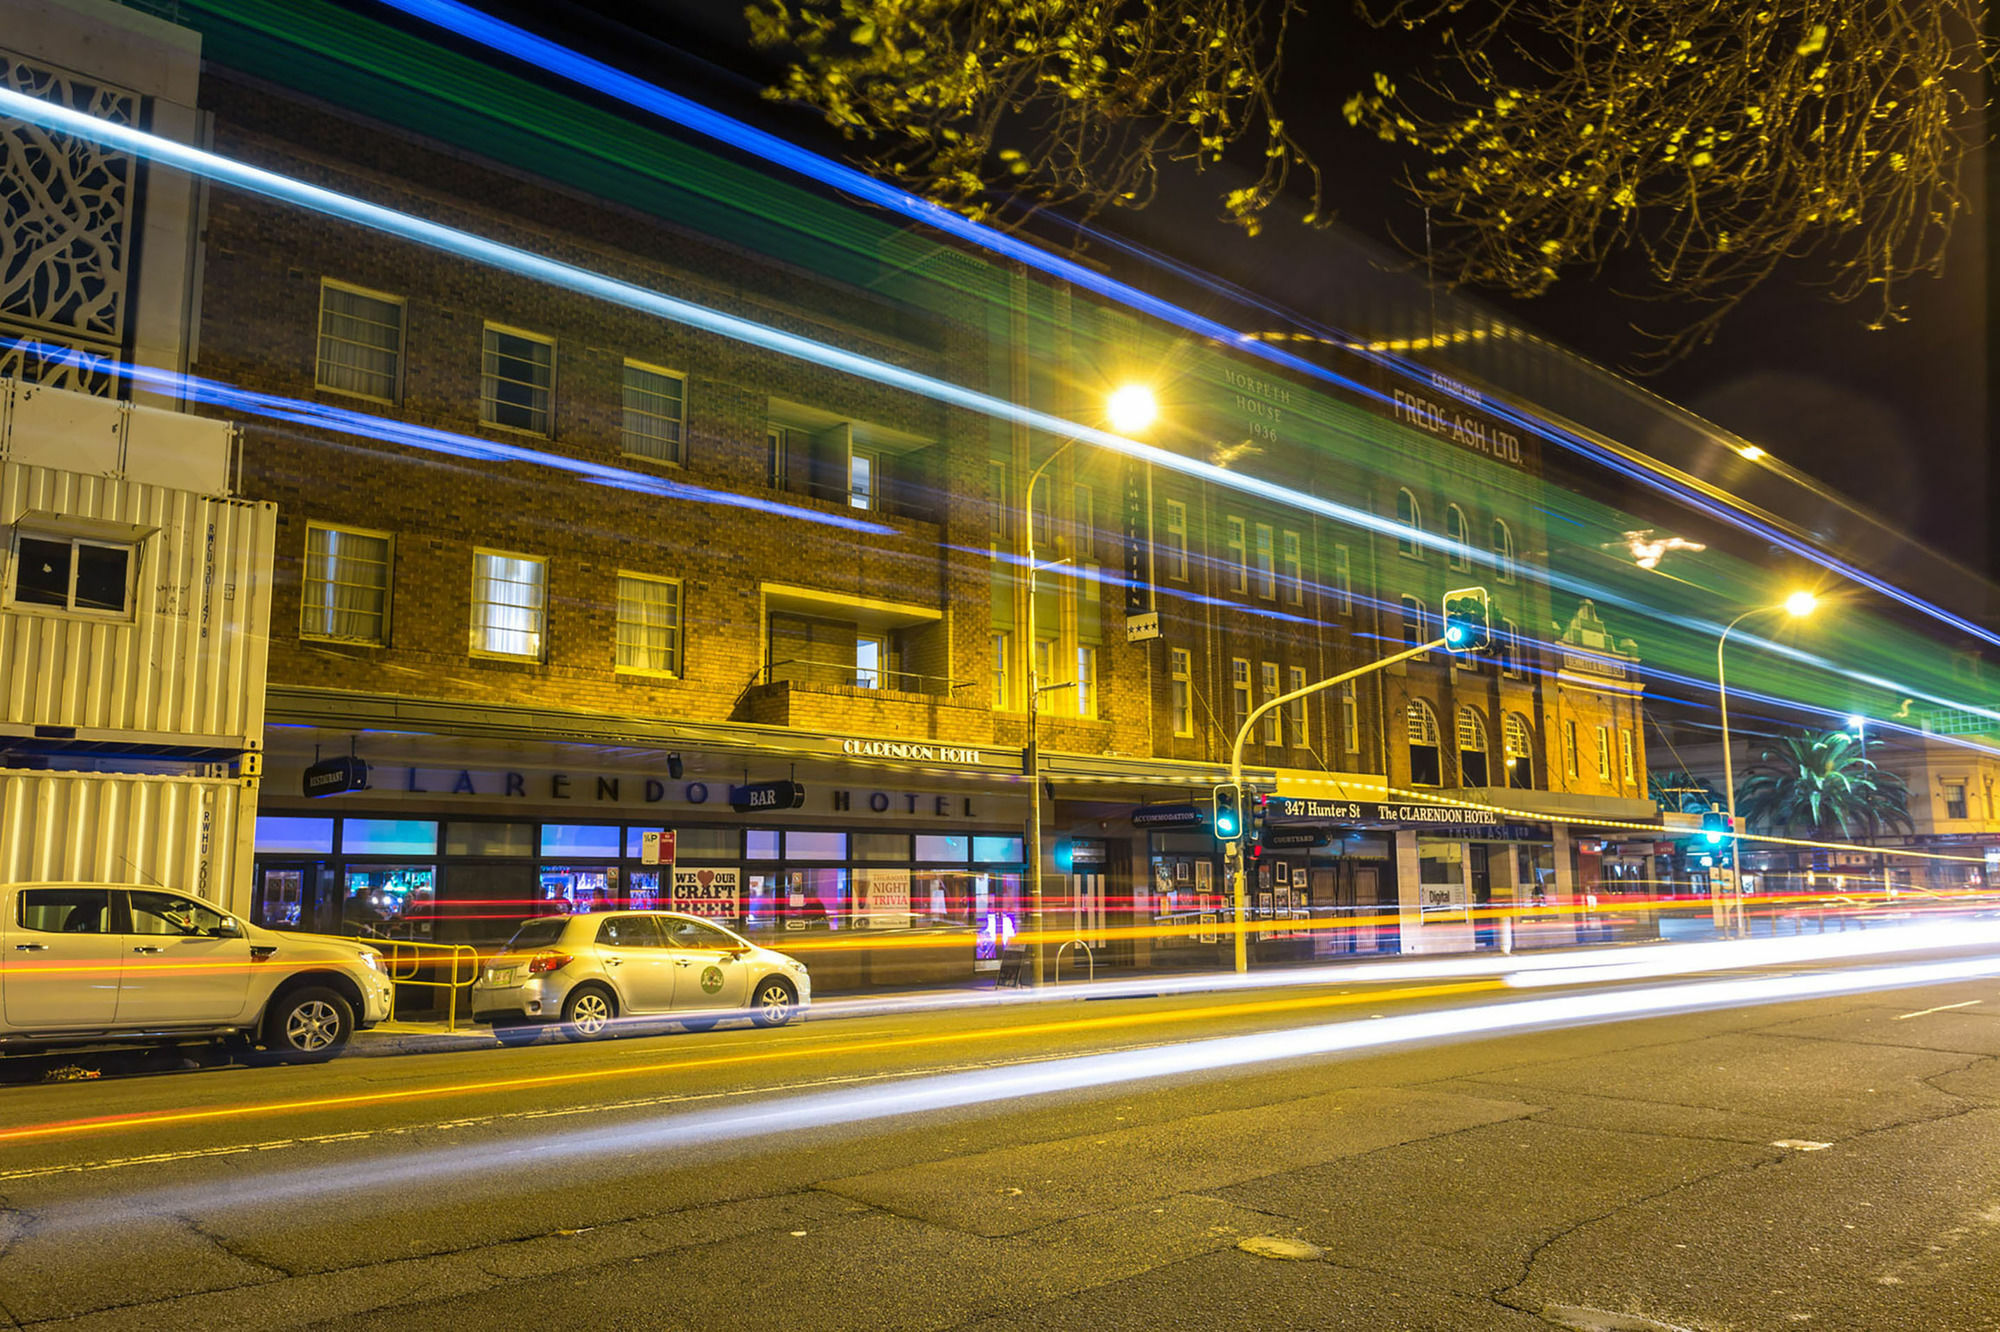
x,y
1447,818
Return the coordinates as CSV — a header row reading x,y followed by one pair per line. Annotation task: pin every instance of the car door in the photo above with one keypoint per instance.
x,y
634,955
185,962
707,963
60,959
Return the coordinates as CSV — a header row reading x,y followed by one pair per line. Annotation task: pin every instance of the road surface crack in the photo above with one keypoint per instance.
x,y
229,1247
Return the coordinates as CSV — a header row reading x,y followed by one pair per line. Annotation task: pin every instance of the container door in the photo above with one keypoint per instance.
x,y
60,960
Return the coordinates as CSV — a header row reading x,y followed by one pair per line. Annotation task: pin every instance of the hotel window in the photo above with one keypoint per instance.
x,y
1272,721
1350,719
1503,551
1457,557
1416,621
1471,747
1426,762
1083,515
862,469
1000,517
346,585
1604,753
1516,739
1003,651
1042,515
655,412
509,604
1181,667
1569,749
1343,581
1292,551
1086,680
871,660
1411,515
1295,711
1267,562
778,440
63,572
1627,762
1177,552
1239,555
649,624
1954,800
517,380
360,342
1507,647
1239,688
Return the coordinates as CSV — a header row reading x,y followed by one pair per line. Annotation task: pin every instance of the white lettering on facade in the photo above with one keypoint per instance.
x,y
1465,431
898,749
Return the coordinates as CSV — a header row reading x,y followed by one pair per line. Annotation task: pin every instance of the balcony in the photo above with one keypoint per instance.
x,y
817,696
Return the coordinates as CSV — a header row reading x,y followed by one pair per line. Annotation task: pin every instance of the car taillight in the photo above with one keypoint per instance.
x,y
545,962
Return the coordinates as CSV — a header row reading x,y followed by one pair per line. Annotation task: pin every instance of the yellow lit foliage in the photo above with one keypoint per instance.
x,y
1718,140
997,110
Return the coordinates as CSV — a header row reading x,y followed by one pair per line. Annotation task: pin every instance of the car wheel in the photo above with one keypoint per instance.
x,y
588,1012
308,1025
517,1033
699,1023
774,1005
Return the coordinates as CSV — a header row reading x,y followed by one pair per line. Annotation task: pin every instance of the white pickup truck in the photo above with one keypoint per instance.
x,y
90,963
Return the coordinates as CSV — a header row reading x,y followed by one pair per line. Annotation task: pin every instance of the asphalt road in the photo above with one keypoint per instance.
x,y
1824,1163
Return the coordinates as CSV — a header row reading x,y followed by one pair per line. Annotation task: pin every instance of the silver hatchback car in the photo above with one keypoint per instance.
x,y
588,971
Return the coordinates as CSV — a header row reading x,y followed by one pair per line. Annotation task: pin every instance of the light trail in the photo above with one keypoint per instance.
x,y
519,44
629,295
897,1100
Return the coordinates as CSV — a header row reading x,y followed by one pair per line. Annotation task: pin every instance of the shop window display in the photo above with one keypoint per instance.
x,y
391,902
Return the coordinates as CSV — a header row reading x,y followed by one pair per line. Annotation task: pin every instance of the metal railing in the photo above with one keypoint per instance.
x,y
1089,957
824,675
405,961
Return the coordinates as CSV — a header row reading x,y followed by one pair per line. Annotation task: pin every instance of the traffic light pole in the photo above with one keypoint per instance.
x,y
1236,778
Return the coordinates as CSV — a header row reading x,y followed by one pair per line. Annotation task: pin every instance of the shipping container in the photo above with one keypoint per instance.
x,y
182,661
189,834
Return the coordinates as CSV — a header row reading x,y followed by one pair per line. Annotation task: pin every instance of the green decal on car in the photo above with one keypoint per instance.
x,y
711,980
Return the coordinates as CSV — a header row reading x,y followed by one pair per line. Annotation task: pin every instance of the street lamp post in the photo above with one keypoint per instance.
x,y
1130,409
1798,605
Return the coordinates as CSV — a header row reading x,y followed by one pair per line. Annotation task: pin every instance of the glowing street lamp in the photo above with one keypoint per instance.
x,y
1128,409
1798,605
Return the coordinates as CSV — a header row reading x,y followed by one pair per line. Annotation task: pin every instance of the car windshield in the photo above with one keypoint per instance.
x,y
537,934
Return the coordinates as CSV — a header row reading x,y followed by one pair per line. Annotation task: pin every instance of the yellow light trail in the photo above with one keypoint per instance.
x,y
155,1119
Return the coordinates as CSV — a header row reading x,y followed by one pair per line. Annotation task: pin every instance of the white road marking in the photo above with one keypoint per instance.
x,y
1941,1008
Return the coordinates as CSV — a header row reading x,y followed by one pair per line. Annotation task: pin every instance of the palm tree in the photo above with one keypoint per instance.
x,y
1682,792
1817,784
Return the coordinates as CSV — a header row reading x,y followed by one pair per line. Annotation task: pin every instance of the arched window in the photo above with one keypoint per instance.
x,y
1455,527
1519,743
1471,747
1411,515
1503,551
1426,761
1416,623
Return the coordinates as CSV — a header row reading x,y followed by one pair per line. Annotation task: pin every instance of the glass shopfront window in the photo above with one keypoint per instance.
x,y
579,888
581,839
391,901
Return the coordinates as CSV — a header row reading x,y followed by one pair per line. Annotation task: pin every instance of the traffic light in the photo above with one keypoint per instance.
x,y
1468,620
1716,840
1256,807
1226,812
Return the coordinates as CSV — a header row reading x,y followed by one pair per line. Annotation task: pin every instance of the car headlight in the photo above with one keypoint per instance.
x,y
371,959
797,966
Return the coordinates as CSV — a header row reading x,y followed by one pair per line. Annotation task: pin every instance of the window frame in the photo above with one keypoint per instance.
x,y
1407,544
1456,557
1501,540
1433,739
1946,785
1343,575
1180,695
624,434
1571,758
1467,713
1177,540
1292,560
1604,754
1509,754
1267,561
1295,711
490,329
1628,763
388,582
1272,722
679,670
542,626
28,528
1241,697
1423,620
402,304
1001,644
1236,540
1086,681
1350,718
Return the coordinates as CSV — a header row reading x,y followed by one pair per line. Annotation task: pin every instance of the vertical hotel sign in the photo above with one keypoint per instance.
x,y
1142,620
